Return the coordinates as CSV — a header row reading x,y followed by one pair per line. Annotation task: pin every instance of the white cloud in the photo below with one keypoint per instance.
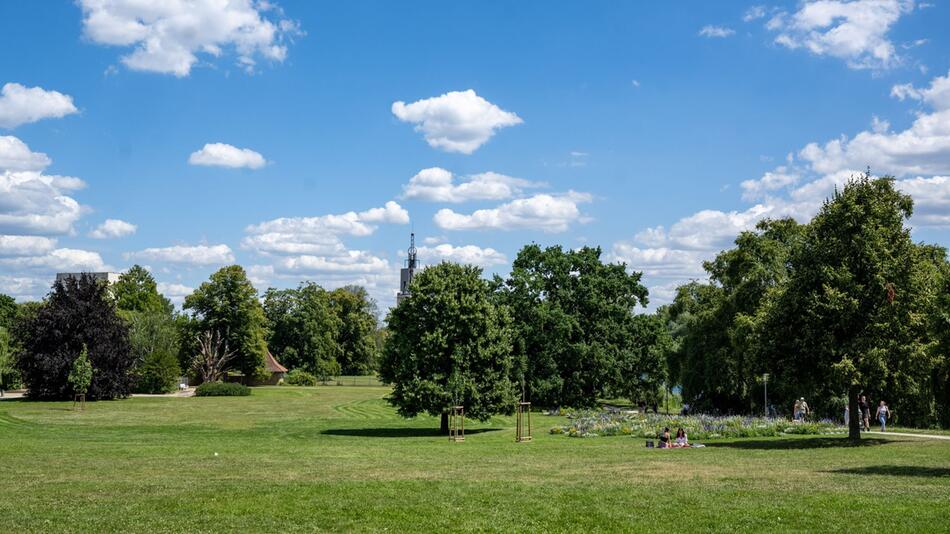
x,y
173,290
16,156
467,254
931,199
438,185
716,31
458,121
770,181
22,105
113,228
189,254
937,95
319,235
33,203
855,31
754,13
550,213
58,260
168,35
24,245
660,262
391,213
25,288
225,155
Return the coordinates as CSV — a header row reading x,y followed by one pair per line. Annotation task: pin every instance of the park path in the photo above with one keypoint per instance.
x,y
925,436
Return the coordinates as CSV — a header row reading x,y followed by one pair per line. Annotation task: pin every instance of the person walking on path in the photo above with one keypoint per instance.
x,y
804,409
865,413
882,413
797,410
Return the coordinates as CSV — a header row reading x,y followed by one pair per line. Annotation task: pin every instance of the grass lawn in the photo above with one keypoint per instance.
x,y
338,458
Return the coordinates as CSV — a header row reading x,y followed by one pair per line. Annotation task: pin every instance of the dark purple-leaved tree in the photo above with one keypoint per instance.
x,y
77,312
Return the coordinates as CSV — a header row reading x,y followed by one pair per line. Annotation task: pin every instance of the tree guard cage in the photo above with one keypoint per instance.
x,y
523,422
79,399
457,424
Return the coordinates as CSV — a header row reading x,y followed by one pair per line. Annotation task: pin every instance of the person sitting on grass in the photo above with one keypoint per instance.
x,y
681,439
665,439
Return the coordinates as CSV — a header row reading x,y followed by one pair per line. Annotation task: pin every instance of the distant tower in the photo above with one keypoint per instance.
x,y
407,272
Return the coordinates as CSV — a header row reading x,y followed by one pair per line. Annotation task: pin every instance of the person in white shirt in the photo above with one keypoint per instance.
x,y
882,413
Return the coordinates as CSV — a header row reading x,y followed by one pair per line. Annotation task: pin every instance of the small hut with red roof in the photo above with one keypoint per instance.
x,y
275,371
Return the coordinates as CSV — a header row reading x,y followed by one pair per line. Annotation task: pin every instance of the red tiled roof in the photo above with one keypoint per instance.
x,y
272,366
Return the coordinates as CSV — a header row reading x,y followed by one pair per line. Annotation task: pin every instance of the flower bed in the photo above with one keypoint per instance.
x,y
592,423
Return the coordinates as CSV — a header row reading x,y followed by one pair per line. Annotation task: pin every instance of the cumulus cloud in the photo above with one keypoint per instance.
x,y
25,245
225,155
33,203
58,260
855,31
549,213
716,31
167,36
937,95
113,228
16,156
22,105
319,235
468,254
770,181
458,121
187,254
439,185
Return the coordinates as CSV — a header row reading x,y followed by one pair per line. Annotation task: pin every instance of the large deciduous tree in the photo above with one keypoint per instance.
x,y
227,304
356,337
852,316
78,312
303,328
713,324
449,344
573,324
136,291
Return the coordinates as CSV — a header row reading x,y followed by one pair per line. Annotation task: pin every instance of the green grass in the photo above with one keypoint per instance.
x,y
339,459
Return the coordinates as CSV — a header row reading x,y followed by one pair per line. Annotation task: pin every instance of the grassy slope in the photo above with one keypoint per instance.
x,y
337,458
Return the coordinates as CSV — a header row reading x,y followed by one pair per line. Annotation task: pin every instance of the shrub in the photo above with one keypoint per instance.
x,y
299,377
222,389
159,373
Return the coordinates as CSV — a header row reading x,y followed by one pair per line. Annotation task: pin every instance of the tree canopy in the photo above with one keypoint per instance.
x,y
227,304
449,344
303,327
575,332
77,313
136,291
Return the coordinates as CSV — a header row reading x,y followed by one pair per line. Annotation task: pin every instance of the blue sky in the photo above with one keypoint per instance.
x,y
266,134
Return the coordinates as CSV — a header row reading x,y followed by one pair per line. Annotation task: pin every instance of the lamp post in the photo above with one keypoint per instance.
x,y
765,382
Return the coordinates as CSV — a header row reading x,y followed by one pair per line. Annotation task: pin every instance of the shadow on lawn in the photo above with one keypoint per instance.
x,y
896,470
398,432
799,443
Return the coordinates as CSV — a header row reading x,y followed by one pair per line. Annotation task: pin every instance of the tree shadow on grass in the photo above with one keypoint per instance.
x,y
799,443
896,470
398,432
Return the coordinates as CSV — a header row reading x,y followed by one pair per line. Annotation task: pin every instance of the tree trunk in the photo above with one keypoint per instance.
x,y
444,428
854,415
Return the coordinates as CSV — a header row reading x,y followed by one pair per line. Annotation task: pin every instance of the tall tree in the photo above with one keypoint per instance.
x,y
849,317
449,344
136,291
714,360
8,311
78,312
303,328
573,316
356,312
227,304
